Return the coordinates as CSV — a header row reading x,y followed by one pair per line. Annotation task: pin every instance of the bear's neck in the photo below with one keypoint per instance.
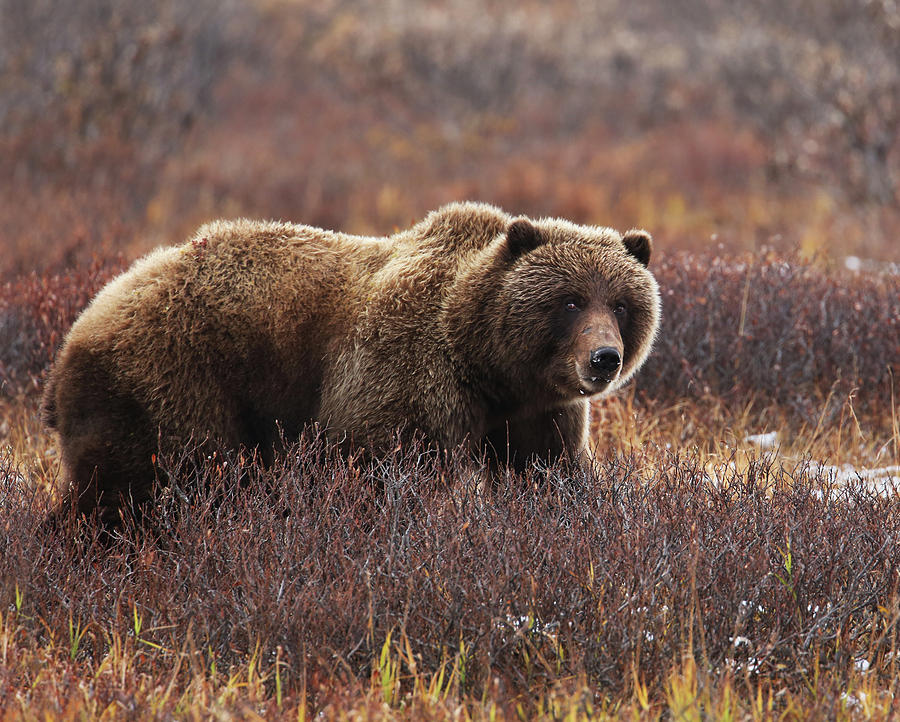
x,y
470,326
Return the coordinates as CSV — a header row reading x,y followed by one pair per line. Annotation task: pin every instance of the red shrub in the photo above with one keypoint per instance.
x,y
785,333
35,314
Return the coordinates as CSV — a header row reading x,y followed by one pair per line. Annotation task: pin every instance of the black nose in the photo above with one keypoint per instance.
x,y
605,360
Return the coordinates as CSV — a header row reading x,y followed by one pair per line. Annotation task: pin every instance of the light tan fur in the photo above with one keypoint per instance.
x,y
452,328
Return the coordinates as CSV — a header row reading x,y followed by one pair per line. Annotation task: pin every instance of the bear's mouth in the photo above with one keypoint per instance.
x,y
595,383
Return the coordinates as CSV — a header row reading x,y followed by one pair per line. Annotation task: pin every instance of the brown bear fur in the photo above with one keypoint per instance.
x,y
472,327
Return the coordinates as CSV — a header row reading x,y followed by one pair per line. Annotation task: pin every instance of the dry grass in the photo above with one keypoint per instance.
x,y
647,586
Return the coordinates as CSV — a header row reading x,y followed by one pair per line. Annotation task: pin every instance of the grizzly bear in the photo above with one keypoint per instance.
x,y
470,328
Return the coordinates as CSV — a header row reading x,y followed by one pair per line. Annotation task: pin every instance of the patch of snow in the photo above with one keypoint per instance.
x,y
751,664
884,480
747,607
851,702
869,265
528,624
763,441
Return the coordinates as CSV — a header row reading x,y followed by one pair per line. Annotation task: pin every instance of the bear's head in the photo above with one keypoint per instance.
x,y
575,311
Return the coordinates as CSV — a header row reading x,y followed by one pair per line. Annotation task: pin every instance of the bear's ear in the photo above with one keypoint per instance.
x,y
639,244
522,236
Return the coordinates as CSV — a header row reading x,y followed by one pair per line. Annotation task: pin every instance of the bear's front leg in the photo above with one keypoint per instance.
x,y
545,437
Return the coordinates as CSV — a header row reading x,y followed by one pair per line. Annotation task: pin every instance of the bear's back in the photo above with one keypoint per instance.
x,y
458,228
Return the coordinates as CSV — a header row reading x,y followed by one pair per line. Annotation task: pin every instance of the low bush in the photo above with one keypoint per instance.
x,y
329,576
785,333
36,311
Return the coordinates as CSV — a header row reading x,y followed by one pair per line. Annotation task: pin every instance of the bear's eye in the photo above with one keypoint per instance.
x,y
620,309
573,304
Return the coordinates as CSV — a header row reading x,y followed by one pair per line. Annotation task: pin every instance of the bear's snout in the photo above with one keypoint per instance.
x,y
605,362
598,351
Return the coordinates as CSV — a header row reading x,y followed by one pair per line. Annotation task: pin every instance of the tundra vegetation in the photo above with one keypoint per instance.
x,y
734,552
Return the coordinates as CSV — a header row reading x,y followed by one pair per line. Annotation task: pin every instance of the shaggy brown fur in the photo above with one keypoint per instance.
x,y
472,327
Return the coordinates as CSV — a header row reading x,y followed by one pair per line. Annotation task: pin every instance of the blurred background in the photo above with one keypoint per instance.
x,y
718,126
